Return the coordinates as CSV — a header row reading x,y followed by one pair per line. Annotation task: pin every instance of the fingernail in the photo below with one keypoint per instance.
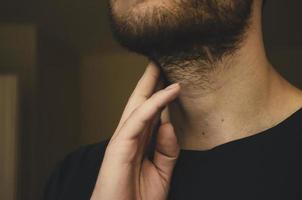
x,y
171,86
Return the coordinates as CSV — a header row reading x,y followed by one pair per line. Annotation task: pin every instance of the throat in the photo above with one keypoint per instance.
x,y
222,101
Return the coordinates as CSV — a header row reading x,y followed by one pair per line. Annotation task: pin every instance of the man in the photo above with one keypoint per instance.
x,y
226,128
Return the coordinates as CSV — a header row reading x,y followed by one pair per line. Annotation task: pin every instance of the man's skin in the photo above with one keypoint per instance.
x,y
238,101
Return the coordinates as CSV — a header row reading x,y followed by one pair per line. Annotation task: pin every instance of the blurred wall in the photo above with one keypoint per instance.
x,y
18,59
82,79
107,78
282,34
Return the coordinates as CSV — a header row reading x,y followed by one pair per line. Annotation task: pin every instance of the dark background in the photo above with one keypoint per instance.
x,y
74,80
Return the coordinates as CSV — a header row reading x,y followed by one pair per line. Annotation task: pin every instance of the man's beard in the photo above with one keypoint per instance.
x,y
175,32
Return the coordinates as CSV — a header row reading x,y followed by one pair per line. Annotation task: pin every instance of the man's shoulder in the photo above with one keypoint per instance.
x,y
85,156
87,153
78,171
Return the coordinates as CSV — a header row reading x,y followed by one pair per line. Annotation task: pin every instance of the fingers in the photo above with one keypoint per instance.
x,y
155,124
143,90
166,151
165,117
145,113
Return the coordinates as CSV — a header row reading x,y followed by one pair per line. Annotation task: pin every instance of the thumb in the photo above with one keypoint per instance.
x,y
166,151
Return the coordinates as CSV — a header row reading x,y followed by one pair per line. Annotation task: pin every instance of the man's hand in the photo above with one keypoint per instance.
x,y
126,173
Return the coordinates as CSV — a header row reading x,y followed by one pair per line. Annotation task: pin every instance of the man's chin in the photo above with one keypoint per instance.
x,y
154,29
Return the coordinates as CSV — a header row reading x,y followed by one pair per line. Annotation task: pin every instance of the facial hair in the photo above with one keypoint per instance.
x,y
180,33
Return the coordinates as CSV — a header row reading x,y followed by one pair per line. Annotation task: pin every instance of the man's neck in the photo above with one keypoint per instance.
x,y
239,96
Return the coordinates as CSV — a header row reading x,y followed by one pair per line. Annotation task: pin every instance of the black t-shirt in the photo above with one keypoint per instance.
x,y
265,166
